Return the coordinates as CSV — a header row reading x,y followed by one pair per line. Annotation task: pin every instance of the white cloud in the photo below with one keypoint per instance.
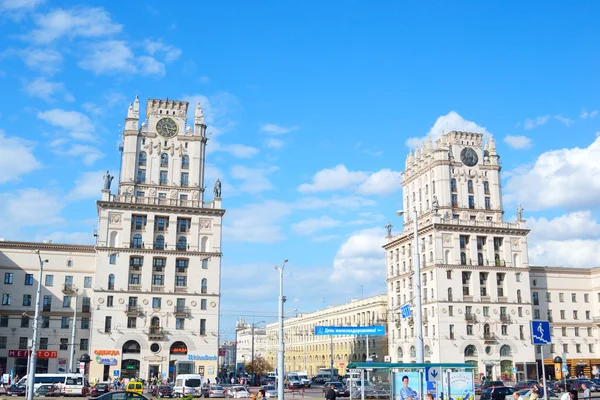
x,y
552,242
254,180
67,237
237,150
382,182
336,202
87,186
19,5
45,89
275,129
256,223
273,143
89,154
312,225
535,122
75,22
517,142
80,127
16,158
360,258
217,110
446,123
585,114
46,61
559,178
170,53
324,238
115,56
564,120
32,207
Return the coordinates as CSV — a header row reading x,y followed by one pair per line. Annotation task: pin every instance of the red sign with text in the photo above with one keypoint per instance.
x,y
26,353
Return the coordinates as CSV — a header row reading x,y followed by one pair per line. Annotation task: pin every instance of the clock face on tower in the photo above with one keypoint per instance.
x,y
166,127
469,156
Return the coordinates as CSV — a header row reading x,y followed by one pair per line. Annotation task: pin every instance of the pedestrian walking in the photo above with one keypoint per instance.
x,y
331,395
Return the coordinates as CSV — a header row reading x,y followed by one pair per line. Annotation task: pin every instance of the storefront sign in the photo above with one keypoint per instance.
x,y
26,353
178,350
201,370
206,357
106,352
222,352
106,360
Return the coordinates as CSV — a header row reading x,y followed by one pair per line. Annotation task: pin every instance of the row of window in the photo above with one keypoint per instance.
x,y
158,263
155,325
163,178
159,242
161,223
561,297
164,160
536,314
9,279
157,280
64,322
44,343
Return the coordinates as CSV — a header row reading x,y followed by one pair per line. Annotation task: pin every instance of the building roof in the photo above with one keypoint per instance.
x,y
49,246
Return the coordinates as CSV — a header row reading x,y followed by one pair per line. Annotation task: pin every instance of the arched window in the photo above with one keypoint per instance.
x,y
181,243
137,241
505,351
111,282
433,187
449,294
413,351
204,244
431,256
142,159
463,258
159,243
426,189
164,160
155,322
400,353
519,296
204,286
114,239
470,186
479,259
470,351
486,330
486,187
427,351
131,346
185,162
453,185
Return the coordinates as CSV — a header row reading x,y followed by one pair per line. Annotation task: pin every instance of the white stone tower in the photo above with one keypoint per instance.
x,y
158,264
474,265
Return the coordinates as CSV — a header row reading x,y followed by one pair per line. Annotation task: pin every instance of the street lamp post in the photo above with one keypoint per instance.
x,y
72,359
280,387
417,280
34,344
252,330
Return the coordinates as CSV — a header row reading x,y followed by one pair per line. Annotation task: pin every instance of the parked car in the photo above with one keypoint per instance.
x,y
496,393
340,389
526,393
99,389
270,391
237,392
525,384
46,391
215,391
575,384
120,395
484,385
165,391
16,390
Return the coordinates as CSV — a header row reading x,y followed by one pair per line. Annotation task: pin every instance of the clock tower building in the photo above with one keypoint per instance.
x,y
474,267
158,264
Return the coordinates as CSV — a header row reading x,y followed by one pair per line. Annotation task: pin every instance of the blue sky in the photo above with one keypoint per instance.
x,y
312,106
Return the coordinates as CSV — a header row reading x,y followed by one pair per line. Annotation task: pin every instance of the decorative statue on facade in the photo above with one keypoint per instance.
x,y
388,226
107,180
436,204
217,189
519,212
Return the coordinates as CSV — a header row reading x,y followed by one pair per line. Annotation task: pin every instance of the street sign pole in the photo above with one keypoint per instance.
x,y
544,373
540,336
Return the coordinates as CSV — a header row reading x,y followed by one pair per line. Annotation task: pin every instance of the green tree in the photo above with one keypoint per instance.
x,y
260,366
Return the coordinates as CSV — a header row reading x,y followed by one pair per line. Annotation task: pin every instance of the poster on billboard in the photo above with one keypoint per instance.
x,y
407,385
460,385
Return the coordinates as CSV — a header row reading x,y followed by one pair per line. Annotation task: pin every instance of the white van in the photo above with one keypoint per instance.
x,y
186,384
303,376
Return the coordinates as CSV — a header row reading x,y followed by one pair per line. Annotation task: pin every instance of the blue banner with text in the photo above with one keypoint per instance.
x,y
376,330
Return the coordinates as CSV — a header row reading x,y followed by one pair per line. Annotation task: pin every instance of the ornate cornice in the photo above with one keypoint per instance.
x,y
47,246
187,253
158,208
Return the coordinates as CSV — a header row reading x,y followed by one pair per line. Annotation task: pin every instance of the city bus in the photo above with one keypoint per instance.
x,y
70,384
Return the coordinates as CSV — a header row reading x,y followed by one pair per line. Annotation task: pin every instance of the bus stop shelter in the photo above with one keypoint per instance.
x,y
400,381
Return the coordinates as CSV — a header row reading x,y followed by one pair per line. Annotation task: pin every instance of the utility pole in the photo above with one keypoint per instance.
x,y
280,350
72,359
34,344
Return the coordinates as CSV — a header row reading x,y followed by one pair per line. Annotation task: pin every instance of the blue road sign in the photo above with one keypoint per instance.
x,y
564,368
540,332
116,373
405,311
432,388
376,330
433,374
